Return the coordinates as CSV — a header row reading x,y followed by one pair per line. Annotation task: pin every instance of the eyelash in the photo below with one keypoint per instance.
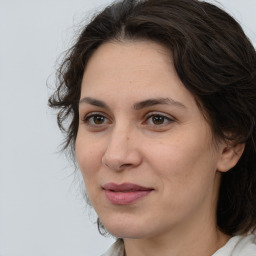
x,y
167,119
87,118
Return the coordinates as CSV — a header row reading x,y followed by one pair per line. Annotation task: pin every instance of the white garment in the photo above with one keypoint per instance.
x,y
117,249
236,246
239,246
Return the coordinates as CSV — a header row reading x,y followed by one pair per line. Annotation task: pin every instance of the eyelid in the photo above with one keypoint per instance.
x,y
86,117
170,119
155,113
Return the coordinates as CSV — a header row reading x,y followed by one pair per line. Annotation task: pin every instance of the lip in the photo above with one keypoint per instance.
x,y
125,193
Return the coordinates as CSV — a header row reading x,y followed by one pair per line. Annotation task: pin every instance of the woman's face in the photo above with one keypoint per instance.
x,y
145,151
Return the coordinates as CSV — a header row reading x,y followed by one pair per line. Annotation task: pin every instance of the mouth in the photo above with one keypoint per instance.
x,y
125,193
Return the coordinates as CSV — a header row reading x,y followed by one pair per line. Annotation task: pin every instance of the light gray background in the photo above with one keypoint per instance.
x,y
41,210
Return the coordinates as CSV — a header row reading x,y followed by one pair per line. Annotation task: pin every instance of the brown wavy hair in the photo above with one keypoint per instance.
x,y
215,61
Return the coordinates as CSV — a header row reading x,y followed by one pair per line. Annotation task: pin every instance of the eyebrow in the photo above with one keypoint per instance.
x,y
137,106
94,102
157,101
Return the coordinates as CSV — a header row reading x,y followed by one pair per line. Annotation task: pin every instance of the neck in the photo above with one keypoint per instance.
x,y
188,240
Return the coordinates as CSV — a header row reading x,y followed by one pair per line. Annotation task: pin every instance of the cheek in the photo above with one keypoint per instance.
x,y
88,156
184,160
186,178
172,154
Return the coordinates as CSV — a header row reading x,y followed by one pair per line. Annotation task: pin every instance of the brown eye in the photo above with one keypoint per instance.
x,y
98,119
95,119
158,119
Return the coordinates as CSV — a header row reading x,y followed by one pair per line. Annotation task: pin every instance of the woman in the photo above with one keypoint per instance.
x,y
161,96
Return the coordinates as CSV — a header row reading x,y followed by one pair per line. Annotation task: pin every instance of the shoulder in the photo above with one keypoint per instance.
x,y
239,246
117,249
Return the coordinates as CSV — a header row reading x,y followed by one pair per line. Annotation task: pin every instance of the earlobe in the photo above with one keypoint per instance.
x,y
229,157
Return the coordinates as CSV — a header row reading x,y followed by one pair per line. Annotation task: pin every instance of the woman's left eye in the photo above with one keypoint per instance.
x,y
159,120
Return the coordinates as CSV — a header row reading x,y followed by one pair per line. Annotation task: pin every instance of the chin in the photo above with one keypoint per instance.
x,y
127,233
125,229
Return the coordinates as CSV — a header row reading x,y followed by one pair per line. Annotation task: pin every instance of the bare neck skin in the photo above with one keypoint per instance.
x,y
203,240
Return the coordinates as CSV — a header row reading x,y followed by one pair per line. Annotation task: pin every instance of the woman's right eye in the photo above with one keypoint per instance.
x,y
95,120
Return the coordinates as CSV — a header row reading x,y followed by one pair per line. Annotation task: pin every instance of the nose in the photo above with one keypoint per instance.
x,y
122,150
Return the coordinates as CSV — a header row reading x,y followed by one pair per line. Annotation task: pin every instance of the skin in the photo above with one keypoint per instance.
x,y
168,147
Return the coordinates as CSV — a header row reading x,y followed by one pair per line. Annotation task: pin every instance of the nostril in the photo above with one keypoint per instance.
x,y
125,165
118,158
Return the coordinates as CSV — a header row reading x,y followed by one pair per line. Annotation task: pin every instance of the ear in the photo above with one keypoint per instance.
x,y
229,157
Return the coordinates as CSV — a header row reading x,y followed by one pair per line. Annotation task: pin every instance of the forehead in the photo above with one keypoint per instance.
x,y
121,58
140,69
